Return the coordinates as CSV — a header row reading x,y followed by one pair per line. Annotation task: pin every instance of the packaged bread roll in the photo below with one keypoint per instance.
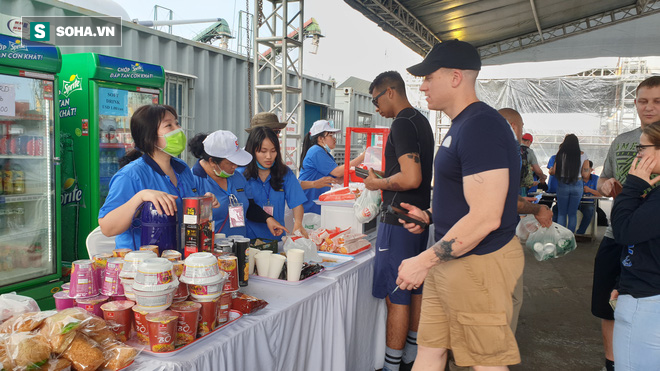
x,y
84,353
25,322
6,362
56,364
27,350
61,328
117,354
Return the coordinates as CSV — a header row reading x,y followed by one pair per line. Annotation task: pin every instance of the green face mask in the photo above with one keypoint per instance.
x,y
222,173
175,142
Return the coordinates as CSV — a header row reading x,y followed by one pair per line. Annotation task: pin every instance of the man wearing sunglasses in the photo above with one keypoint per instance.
x,y
607,265
407,178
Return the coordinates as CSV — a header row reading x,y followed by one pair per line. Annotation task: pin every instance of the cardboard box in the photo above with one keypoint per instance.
x,y
197,210
198,229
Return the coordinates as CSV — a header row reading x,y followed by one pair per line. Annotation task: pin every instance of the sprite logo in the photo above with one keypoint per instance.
x,y
136,67
70,192
74,83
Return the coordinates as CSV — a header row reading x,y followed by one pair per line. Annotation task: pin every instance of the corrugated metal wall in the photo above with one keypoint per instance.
x,y
221,90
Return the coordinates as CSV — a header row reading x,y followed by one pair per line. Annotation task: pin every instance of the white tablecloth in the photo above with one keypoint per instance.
x,y
330,322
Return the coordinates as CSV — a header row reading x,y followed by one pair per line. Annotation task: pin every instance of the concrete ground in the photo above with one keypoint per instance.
x,y
556,330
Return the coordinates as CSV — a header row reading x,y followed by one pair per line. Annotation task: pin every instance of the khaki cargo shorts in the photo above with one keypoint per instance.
x,y
467,307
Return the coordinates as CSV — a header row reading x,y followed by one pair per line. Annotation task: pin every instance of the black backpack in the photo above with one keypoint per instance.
x,y
526,173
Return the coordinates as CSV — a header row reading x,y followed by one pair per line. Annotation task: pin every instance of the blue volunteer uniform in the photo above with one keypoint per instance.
x,y
236,185
263,195
144,173
317,164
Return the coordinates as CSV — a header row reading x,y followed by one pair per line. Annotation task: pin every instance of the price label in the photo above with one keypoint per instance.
x,y
7,100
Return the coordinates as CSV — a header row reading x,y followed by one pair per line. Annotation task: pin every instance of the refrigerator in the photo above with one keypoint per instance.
x,y
98,95
30,259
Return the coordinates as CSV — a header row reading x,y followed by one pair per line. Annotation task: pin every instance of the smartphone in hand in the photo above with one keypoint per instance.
x,y
403,215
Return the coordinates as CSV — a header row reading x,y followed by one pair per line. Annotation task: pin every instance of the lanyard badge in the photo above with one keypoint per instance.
x,y
270,209
236,215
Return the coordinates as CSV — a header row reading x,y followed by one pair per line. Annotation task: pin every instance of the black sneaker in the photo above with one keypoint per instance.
x,y
406,366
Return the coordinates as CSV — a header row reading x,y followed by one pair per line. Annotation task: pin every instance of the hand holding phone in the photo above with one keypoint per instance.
x,y
403,215
362,173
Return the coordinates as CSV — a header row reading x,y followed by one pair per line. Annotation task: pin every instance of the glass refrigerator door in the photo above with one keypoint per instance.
x,y
27,208
116,106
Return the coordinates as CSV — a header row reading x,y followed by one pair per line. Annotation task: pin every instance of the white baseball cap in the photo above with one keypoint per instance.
x,y
320,126
224,144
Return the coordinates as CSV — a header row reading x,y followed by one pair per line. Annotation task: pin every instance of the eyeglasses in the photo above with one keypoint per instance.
x,y
640,147
375,99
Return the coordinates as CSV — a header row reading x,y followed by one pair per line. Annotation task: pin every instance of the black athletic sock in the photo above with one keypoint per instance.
x,y
609,365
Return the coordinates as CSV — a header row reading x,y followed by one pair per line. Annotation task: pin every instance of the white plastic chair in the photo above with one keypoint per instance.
x,y
98,243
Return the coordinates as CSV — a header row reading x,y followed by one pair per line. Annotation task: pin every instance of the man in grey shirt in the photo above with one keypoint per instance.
x,y
607,265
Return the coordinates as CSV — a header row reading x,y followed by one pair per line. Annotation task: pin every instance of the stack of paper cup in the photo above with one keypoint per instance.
x,y
262,260
110,285
275,265
294,264
202,274
129,270
154,285
252,252
83,280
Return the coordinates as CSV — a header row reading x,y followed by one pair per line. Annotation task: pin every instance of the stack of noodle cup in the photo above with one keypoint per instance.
x,y
129,270
154,284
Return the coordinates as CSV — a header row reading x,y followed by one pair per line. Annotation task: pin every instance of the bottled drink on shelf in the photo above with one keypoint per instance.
x,y
7,178
19,179
103,164
19,211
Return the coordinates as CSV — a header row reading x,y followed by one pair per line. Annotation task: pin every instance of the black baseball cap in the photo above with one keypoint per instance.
x,y
449,54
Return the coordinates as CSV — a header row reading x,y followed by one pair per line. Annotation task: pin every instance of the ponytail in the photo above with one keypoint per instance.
x,y
130,157
308,142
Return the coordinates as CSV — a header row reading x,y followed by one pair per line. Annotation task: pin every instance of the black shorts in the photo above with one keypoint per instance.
x,y
607,267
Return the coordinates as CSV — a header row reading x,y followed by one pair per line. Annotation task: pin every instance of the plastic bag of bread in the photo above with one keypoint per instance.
x,y
28,351
61,328
6,362
97,329
117,354
25,322
12,304
84,353
57,364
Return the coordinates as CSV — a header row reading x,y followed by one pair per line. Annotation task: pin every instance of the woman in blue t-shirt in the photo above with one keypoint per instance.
x,y
272,184
151,172
215,172
317,162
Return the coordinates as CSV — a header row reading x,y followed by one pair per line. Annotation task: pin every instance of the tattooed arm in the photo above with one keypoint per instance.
x,y
485,194
410,176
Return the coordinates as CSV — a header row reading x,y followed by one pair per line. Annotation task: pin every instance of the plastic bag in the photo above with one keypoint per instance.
x,y
373,158
338,194
305,244
552,242
311,221
367,206
527,225
12,304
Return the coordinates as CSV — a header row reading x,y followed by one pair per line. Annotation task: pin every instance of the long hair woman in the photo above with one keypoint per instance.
x,y
636,224
271,183
317,162
567,170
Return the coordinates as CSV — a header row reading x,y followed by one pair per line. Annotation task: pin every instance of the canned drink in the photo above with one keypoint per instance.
x,y
229,264
241,246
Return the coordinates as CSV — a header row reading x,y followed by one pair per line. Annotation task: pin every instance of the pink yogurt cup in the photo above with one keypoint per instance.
x,y
111,285
100,262
93,304
83,281
63,300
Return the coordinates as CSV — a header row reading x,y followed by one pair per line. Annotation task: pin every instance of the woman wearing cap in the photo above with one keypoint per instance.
x,y
317,162
215,172
151,172
272,184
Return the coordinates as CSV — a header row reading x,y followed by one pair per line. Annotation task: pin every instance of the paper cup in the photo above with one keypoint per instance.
x,y
295,255
207,317
141,328
188,312
293,269
262,260
162,330
224,306
275,265
119,316
93,304
252,252
63,300
83,280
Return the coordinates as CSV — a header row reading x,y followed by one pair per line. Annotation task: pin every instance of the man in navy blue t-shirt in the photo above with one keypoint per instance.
x,y
471,271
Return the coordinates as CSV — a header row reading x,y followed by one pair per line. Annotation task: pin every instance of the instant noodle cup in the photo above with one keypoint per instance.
x,y
66,286
111,284
154,301
117,297
120,253
99,264
155,274
188,312
127,284
207,316
210,291
93,304
119,316
131,262
152,248
200,268
141,327
162,330
182,292
63,300
229,265
171,255
224,306
83,280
